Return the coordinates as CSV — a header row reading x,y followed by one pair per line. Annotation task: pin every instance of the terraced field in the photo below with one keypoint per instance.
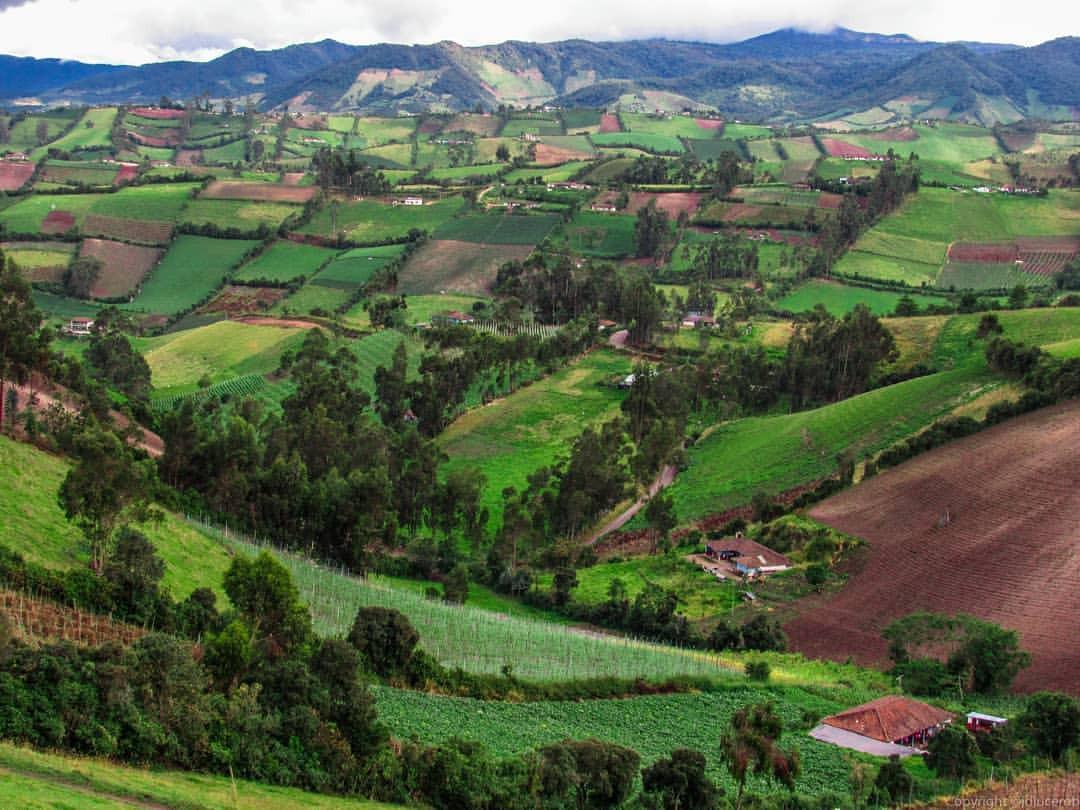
x,y
285,261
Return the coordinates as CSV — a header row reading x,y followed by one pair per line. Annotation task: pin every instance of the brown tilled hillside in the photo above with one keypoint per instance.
x,y
988,525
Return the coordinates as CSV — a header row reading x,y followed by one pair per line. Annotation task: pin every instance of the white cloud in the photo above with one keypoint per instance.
x,y
124,31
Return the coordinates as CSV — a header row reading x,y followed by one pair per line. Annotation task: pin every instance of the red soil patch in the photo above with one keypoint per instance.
x,y
610,123
1018,141
1006,552
983,252
189,157
38,619
125,266
739,211
712,124
129,230
309,122
238,301
262,192
429,126
843,149
284,323
482,125
161,115
548,155
829,200
127,173
153,140
672,203
292,178
58,222
900,134
14,174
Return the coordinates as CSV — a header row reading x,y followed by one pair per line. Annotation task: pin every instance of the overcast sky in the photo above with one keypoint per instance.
x,y
130,32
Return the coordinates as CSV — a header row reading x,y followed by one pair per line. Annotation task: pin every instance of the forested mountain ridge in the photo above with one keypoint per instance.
x,y
781,76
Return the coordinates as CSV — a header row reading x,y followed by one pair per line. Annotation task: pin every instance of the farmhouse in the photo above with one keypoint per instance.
x,y
80,326
693,320
893,724
976,721
747,557
410,201
455,317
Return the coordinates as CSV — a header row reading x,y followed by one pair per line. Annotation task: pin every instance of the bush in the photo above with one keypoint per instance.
x,y
758,670
385,639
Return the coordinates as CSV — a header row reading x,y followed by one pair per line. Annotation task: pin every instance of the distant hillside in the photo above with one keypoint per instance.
x,y
782,76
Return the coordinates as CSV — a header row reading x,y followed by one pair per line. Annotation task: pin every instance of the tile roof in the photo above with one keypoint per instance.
x,y
889,718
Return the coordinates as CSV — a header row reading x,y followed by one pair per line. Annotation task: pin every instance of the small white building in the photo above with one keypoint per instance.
x,y
80,326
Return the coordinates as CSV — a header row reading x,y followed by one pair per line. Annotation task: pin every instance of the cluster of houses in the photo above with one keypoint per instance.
x,y
894,725
741,557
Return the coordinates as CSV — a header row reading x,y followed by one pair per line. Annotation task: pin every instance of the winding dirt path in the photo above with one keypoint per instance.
x,y
666,477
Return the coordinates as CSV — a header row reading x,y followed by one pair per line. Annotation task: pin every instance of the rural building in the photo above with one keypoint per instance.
x,y
893,724
80,326
457,318
693,320
603,325
410,201
627,381
607,208
976,721
747,557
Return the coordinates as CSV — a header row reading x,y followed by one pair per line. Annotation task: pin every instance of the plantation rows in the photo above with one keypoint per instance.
x,y
537,330
236,387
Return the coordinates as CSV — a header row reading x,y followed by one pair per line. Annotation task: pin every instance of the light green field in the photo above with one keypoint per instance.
x,y
231,152
35,526
802,148
599,234
221,350
839,299
23,135
312,299
193,268
736,130
353,268
93,130
75,172
285,261
1065,349
674,126
910,245
421,308
466,172
240,214
555,174
656,144
159,203
957,345
26,215
376,130
394,155
32,780
373,221
515,436
378,350
772,454
946,142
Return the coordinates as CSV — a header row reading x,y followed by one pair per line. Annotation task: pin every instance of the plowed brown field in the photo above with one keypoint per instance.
x,y
988,525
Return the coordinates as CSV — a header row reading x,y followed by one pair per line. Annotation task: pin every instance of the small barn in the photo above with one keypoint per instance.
x,y
80,326
891,724
977,721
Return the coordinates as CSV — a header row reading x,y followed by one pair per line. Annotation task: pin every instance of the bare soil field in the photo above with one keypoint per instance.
x,y
843,149
58,222
262,192
453,266
188,157
1032,790
610,123
14,174
127,173
672,203
237,300
131,230
125,266
548,155
713,125
37,620
161,115
829,200
1041,255
986,525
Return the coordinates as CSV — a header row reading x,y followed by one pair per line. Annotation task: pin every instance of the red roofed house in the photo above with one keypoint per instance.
x,y
892,719
746,556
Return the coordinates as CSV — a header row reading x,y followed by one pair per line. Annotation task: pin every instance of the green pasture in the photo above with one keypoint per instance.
x,y
735,130
93,130
499,228
673,126
839,299
598,234
374,221
193,268
353,268
160,203
240,214
515,436
656,144
285,261
25,216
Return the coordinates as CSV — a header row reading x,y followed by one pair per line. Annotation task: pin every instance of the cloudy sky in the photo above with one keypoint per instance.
x,y
137,31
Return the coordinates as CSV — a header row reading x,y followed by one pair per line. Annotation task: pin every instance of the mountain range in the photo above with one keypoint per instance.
x,y
786,75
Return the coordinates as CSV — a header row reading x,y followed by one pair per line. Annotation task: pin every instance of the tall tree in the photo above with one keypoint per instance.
x,y
23,340
751,745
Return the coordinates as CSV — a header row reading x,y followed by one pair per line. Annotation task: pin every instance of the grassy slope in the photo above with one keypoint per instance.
x,y
513,437
162,203
34,525
221,350
31,779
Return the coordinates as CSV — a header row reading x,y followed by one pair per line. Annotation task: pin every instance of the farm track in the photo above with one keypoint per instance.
x,y
986,525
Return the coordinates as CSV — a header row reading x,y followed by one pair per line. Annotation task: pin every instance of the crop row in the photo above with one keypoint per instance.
x,y
237,386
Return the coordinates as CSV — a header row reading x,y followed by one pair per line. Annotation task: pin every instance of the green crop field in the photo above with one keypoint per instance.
x,y
74,172
943,141
840,298
735,130
598,234
35,526
23,135
713,148
376,130
26,215
499,229
391,155
421,308
651,725
656,144
353,268
910,245
771,454
240,214
515,127
515,436
480,172
673,126
378,350
554,174
373,221
580,119
193,268
33,780
221,350
987,276
160,203
312,299
93,130
285,261
231,152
